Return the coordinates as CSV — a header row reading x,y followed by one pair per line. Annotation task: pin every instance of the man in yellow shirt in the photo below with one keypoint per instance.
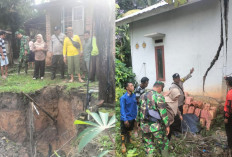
x,y
72,54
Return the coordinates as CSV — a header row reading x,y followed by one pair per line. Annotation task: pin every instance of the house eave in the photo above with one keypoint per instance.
x,y
155,35
145,14
7,32
56,3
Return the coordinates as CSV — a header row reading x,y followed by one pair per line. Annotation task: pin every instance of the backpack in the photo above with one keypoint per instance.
x,y
151,115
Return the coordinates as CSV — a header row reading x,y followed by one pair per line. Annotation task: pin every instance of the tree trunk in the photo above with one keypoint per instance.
x,y
104,19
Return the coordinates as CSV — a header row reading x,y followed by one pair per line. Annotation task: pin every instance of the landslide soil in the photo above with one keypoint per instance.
x,y
31,133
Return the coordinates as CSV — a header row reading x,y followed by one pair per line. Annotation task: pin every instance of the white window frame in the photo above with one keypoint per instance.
x,y
82,16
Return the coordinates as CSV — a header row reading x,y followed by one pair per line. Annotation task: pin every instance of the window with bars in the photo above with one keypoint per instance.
x,y
73,17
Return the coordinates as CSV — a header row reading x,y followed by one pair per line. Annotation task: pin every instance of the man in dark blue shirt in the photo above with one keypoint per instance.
x,y
128,109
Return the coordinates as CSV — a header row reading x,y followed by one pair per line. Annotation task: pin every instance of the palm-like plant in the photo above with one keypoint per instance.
x,y
101,125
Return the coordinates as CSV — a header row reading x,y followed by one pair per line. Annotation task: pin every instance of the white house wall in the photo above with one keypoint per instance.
x,y
192,37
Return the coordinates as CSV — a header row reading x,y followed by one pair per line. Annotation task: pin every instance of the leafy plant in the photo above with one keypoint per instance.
x,y
123,74
119,93
176,2
102,124
132,152
123,48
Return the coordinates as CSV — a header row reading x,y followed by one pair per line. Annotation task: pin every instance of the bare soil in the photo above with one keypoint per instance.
x,y
39,134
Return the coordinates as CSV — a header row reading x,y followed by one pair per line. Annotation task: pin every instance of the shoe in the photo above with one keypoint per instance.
x,y
53,77
80,80
123,148
62,77
4,77
34,78
70,81
41,78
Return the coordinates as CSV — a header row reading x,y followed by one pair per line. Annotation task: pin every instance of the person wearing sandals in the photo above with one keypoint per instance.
x,y
39,49
72,49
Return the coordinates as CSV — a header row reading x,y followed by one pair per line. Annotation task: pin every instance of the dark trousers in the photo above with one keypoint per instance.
x,y
94,68
39,69
175,126
83,67
57,62
125,130
228,128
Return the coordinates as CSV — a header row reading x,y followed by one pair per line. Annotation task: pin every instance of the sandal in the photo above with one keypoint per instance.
x,y
80,80
70,81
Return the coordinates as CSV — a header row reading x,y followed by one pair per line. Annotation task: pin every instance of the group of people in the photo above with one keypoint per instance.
x,y
65,49
156,115
159,115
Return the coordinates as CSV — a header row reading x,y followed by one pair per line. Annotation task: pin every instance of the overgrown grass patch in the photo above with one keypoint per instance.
x,y
25,83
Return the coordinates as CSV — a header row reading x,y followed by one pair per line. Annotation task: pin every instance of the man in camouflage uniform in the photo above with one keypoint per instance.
x,y
24,51
154,133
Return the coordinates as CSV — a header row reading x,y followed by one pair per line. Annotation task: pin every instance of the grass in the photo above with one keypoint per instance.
x,y
25,83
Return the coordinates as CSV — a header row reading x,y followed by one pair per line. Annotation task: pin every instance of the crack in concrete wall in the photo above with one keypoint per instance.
x,y
226,10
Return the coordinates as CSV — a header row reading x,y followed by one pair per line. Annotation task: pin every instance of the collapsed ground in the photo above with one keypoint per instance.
x,y
23,131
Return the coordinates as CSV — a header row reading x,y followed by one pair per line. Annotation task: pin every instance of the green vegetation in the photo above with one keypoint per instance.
x,y
103,124
25,83
123,74
188,144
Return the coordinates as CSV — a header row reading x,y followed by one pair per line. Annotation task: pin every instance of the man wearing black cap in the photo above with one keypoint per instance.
x,y
56,47
178,83
228,112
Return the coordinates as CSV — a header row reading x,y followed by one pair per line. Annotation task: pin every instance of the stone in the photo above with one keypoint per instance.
x,y
188,100
191,109
197,112
185,108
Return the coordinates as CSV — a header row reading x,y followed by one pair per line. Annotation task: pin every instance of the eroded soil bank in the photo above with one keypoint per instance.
x,y
38,133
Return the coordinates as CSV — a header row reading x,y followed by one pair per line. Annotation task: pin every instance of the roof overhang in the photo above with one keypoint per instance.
x,y
155,35
58,3
153,10
7,32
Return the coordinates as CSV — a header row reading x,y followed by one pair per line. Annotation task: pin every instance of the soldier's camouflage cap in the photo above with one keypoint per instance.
x,y
17,32
158,83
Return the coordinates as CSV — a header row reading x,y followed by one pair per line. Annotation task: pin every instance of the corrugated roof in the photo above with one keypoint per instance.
x,y
56,3
8,32
155,9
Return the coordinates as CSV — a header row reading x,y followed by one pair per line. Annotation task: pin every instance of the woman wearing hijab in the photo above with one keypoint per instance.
x,y
172,108
39,48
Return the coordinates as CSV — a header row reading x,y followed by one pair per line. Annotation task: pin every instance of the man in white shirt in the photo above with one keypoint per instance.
x,y
56,47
